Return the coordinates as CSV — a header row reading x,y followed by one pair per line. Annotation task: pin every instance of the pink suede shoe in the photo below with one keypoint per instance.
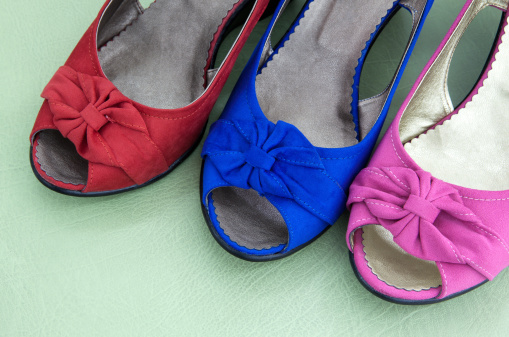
x,y
429,215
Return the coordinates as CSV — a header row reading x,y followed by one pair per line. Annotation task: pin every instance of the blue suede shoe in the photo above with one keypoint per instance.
x,y
294,134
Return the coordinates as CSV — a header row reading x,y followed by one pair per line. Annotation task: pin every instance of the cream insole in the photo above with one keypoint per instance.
x,y
472,148
393,265
308,84
159,60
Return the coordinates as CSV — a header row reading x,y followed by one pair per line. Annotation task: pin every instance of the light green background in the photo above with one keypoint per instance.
x,y
144,264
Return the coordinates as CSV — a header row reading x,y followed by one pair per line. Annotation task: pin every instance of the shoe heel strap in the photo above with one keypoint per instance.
x,y
371,109
434,102
267,48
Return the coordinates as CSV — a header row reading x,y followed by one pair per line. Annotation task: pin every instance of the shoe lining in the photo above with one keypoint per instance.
x,y
469,150
157,58
308,84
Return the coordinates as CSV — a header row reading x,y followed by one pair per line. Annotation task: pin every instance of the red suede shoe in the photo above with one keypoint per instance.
x,y
133,99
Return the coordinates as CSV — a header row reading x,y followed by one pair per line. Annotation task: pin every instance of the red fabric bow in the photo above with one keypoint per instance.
x,y
428,219
103,124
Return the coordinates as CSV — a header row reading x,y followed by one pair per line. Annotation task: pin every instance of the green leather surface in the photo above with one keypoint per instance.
x,y
144,264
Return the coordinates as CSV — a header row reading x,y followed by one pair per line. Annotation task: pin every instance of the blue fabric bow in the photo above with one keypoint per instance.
x,y
274,159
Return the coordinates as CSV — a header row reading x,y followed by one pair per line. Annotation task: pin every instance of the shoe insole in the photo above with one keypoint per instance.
x,y
472,148
395,266
159,60
308,83
249,219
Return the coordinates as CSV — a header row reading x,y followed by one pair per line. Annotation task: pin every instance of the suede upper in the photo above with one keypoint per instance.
x,y
461,230
144,145
304,183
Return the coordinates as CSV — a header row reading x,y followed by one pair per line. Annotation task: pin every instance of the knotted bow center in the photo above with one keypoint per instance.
x,y
422,208
276,160
93,117
258,158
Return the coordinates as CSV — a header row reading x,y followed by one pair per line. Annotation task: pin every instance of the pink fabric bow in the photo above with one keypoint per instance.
x,y
103,124
428,219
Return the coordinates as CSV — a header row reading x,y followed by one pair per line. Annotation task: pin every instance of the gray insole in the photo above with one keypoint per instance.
x,y
159,60
59,159
249,219
308,84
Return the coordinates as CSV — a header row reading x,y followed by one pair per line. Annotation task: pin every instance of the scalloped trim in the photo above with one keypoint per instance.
x,y
216,38
143,11
209,54
295,27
